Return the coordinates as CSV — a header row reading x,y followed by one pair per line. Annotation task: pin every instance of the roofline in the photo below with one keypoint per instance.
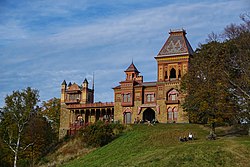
x,y
176,54
117,87
177,30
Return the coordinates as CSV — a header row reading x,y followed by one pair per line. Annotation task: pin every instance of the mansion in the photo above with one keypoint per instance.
x,y
134,100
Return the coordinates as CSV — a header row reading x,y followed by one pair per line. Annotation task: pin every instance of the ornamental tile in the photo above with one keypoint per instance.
x,y
176,44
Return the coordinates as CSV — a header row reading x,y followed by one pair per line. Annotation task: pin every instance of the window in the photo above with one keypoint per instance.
x,y
173,95
74,97
150,97
126,98
170,114
172,74
175,113
166,74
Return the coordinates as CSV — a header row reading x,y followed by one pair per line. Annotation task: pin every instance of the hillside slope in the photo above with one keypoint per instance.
x,y
159,146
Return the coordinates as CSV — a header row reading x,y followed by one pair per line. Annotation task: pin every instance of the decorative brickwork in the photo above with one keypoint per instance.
x,y
151,100
134,100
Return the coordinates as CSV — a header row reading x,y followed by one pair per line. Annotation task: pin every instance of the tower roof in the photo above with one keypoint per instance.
x,y
176,44
74,87
69,84
132,68
85,80
64,82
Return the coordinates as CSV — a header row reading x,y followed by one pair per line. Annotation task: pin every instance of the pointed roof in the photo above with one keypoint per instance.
x,y
64,82
74,87
176,44
69,84
85,80
132,68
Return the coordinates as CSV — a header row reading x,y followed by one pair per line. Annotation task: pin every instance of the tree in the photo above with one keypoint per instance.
x,y
208,100
40,133
238,59
51,111
218,81
16,114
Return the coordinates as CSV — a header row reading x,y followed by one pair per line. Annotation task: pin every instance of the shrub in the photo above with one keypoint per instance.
x,y
100,133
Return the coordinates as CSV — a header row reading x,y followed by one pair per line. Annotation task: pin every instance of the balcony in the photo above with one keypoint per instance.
x,y
172,102
91,105
72,101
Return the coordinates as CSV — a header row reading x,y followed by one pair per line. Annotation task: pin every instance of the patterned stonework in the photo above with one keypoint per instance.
x,y
174,45
177,44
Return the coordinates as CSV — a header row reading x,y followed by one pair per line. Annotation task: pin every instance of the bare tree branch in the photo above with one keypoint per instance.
x,y
237,86
12,149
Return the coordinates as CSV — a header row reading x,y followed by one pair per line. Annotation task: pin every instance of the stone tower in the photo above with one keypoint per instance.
x,y
172,64
160,100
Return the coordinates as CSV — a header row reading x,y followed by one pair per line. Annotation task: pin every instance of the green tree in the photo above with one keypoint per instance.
x,y
218,81
40,133
16,114
51,111
208,100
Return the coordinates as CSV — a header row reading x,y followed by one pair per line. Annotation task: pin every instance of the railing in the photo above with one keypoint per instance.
x,y
91,105
172,102
72,101
77,125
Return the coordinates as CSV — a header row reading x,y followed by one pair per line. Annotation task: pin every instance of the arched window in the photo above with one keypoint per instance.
x,y
173,95
172,74
166,74
170,114
175,112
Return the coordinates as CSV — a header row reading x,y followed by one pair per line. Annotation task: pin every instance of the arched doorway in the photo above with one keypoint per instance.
x,y
148,115
127,117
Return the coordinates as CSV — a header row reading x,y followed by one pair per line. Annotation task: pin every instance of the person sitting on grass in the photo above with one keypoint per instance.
x,y
185,138
181,139
190,136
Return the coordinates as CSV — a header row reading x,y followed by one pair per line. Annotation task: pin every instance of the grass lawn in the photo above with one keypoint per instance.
x,y
159,146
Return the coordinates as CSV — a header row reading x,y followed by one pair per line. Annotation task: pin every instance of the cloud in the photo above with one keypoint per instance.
x,y
44,43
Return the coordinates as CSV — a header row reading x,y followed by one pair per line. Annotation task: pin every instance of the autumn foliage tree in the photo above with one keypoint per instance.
x,y
208,99
218,81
